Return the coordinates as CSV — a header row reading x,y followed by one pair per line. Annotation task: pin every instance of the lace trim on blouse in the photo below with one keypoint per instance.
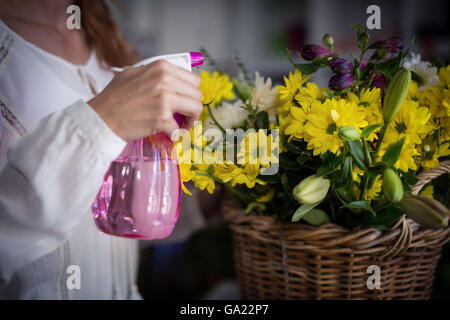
x,y
6,111
11,118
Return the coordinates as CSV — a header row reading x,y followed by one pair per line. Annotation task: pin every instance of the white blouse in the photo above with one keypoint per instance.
x,y
54,152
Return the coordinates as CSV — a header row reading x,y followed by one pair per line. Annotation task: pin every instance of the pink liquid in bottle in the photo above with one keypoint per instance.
x,y
140,195
141,192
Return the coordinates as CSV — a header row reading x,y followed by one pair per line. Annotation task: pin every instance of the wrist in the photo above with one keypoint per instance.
x,y
101,108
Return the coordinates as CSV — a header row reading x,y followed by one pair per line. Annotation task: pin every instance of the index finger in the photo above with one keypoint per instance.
x,y
177,72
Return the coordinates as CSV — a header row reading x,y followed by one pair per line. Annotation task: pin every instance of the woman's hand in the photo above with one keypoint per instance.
x,y
141,101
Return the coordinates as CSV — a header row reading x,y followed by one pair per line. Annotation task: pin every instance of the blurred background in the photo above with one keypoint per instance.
x,y
200,264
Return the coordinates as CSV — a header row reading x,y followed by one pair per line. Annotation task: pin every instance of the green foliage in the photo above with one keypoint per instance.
x,y
302,210
262,120
316,217
308,68
357,206
393,153
355,169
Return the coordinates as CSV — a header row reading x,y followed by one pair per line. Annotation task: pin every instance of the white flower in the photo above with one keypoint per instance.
x,y
228,115
265,96
423,69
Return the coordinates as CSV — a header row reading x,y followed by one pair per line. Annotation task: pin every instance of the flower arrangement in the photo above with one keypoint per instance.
x,y
347,153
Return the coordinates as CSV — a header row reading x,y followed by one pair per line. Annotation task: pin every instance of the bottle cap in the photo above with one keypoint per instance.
x,y
196,59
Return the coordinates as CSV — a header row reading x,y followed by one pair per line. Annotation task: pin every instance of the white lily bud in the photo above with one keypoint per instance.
x,y
311,190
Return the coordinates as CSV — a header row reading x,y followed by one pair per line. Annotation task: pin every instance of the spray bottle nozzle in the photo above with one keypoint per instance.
x,y
197,58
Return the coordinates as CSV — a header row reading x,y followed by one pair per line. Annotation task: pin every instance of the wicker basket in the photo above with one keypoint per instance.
x,y
298,261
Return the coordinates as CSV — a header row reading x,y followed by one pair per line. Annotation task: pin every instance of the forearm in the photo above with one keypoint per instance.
x,y
50,180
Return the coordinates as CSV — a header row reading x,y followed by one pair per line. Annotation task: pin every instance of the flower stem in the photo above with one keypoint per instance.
x,y
367,159
364,183
382,205
333,213
380,139
214,120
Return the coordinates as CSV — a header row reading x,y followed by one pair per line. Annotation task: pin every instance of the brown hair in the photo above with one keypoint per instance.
x,y
104,35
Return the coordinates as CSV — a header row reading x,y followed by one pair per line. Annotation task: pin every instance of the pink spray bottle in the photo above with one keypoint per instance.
x,y
141,192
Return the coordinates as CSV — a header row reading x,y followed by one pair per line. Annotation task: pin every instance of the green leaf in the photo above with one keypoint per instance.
x,y
365,133
328,95
410,178
287,187
316,217
358,28
416,78
329,162
272,179
374,172
389,67
345,195
393,153
307,68
287,163
356,150
348,170
241,90
262,120
341,92
384,217
302,210
359,205
301,160
293,147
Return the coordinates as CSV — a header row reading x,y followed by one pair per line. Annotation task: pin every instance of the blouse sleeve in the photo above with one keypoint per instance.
x,y
51,177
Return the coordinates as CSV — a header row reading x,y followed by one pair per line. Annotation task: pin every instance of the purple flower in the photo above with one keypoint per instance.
x,y
380,81
383,54
338,82
313,51
393,44
341,66
363,65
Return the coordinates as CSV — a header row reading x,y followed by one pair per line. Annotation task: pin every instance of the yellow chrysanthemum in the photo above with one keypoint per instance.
x,y
428,191
373,192
215,87
226,172
284,122
357,173
370,101
296,127
324,122
446,101
190,145
433,98
238,174
186,174
248,176
202,180
287,93
406,160
258,148
266,197
310,93
413,92
444,76
410,122
430,153
445,129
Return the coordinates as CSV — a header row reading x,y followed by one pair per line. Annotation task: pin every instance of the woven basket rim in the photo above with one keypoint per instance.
x,y
405,233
